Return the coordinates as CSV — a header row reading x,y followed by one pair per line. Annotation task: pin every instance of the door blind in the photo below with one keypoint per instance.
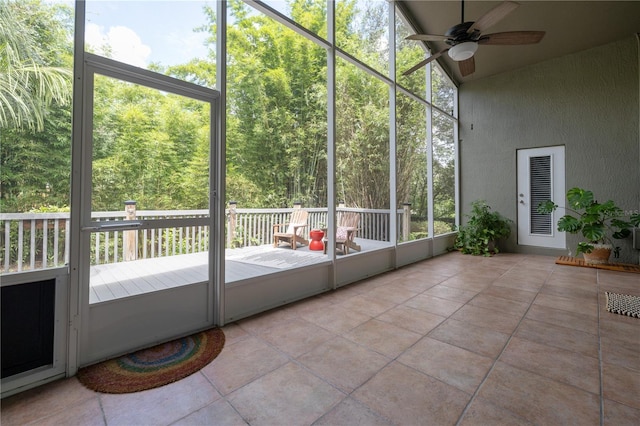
x,y
540,190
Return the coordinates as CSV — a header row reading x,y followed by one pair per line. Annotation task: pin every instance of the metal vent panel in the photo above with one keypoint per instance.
x,y
540,190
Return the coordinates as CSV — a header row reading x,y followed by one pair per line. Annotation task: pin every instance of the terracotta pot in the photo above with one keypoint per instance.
x,y
599,255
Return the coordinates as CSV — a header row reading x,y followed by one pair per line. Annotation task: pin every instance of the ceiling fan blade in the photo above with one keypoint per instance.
x,y
493,16
423,63
468,66
512,38
427,37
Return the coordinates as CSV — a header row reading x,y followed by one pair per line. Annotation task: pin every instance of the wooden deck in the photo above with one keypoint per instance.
x,y
115,280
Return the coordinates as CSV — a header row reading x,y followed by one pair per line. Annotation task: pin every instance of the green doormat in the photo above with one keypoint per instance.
x,y
623,304
156,366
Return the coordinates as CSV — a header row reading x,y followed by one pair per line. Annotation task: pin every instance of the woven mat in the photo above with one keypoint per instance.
x,y
623,304
156,366
574,261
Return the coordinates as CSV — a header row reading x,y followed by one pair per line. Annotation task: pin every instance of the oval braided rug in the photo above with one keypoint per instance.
x,y
156,366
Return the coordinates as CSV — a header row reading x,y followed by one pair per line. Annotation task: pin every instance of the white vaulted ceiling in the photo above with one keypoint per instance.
x,y
571,26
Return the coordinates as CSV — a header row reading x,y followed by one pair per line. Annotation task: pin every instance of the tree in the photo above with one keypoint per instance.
x,y
30,81
36,59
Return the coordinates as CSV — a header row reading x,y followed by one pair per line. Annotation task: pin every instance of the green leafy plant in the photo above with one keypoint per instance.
x,y
483,228
598,222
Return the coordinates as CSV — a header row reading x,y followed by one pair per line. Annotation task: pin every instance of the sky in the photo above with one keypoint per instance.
x,y
139,32
143,31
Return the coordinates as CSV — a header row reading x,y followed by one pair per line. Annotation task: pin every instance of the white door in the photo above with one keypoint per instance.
x,y
540,178
148,275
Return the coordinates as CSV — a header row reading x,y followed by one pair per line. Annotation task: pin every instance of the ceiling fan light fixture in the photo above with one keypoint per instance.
x,y
463,51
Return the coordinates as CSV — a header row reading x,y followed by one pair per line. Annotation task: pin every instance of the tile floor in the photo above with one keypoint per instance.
x,y
512,339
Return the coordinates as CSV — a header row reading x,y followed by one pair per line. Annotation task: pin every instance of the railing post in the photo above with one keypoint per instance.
x,y
130,237
231,233
341,205
406,221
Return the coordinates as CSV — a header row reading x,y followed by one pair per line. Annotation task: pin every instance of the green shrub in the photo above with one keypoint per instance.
x,y
483,228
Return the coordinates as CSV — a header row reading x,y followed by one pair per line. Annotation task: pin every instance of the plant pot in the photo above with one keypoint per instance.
x,y
599,255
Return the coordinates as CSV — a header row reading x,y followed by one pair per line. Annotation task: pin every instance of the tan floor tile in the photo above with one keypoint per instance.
x,y
620,327
574,282
529,272
468,282
487,318
516,282
451,293
296,336
585,275
588,296
374,282
407,397
351,412
162,405
541,378
233,332
86,413
434,305
623,280
335,318
427,278
289,395
384,338
391,293
538,399
218,413
499,304
451,364
471,337
256,324
621,384
559,337
567,319
616,414
342,293
483,413
411,319
44,401
589,309
564,366
367,306
416,286
510,294
343,363
483,271
621,353
242,362
632,289
299,308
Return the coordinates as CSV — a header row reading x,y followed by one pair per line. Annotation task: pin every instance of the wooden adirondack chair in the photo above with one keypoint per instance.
x,y
348,223
294,232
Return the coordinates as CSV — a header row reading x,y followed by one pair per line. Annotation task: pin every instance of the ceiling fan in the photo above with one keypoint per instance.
x,y
463,39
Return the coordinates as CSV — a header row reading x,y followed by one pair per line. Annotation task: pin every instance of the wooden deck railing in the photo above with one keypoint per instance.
x,y
30,241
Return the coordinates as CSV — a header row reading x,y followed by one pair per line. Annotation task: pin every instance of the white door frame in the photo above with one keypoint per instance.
x,y
122,325
555,238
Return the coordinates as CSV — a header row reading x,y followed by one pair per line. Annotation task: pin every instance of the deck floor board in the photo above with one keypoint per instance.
x,y
115,280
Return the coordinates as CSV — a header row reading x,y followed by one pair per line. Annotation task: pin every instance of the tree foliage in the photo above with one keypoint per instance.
x,y
35,116
153,147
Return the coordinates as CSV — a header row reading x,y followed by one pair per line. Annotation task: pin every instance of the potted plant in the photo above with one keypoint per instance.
x,y
598,223
482,230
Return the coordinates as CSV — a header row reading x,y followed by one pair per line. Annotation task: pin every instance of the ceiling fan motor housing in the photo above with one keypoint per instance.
x,y
458,34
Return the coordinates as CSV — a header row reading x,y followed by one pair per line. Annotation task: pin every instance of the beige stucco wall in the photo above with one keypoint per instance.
x,y
588,102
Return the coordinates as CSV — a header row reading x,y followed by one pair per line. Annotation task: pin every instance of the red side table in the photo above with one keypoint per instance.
x,y
316,239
